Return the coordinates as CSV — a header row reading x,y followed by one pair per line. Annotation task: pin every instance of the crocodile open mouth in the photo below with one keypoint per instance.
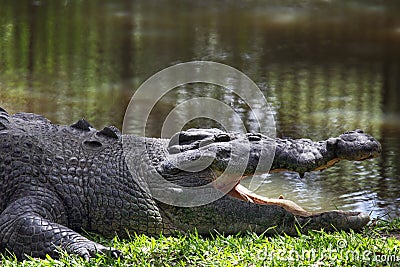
x,y
240,192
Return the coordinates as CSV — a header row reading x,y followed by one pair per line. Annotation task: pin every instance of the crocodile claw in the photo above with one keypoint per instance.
x,y
89,250
110,252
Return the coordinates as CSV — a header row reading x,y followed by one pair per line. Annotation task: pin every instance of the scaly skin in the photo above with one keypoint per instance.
x,y
57,181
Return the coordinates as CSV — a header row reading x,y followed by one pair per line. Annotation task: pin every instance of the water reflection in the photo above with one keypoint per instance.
x,y
324,66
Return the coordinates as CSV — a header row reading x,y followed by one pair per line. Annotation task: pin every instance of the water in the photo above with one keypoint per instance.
x,y
325,67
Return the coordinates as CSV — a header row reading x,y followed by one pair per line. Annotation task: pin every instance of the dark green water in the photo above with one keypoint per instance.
x,y
325,67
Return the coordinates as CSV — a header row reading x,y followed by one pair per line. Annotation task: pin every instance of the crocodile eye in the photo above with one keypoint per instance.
x,y
2,126
93,144
222,137
253,136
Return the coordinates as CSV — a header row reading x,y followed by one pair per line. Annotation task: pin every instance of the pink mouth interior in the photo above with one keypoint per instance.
x,y
242,193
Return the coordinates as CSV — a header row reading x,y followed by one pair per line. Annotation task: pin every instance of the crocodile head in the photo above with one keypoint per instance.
x,y
239,155
211,151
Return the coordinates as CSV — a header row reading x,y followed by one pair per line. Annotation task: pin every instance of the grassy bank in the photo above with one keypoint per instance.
x,y
377,245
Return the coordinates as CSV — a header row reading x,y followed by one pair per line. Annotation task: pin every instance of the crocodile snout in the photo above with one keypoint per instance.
x,y
357,145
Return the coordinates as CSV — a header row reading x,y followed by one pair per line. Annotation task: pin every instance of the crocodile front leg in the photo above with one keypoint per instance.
x,y
31,226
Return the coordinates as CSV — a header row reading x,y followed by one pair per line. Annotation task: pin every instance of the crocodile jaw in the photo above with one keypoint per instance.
x,y
232,187
242,193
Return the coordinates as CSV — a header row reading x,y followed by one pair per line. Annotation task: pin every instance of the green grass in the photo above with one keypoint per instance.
x,y
377,245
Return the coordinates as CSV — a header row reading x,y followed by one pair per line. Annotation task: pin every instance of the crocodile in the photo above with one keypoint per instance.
x,y
59,181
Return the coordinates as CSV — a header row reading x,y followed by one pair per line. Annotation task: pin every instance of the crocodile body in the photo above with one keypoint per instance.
x,y
57,181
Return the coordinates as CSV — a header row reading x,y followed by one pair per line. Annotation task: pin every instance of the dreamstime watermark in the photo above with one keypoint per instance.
x,y
157,86
334,253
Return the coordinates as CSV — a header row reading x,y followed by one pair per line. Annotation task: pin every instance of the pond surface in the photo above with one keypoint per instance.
x,y
325,67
